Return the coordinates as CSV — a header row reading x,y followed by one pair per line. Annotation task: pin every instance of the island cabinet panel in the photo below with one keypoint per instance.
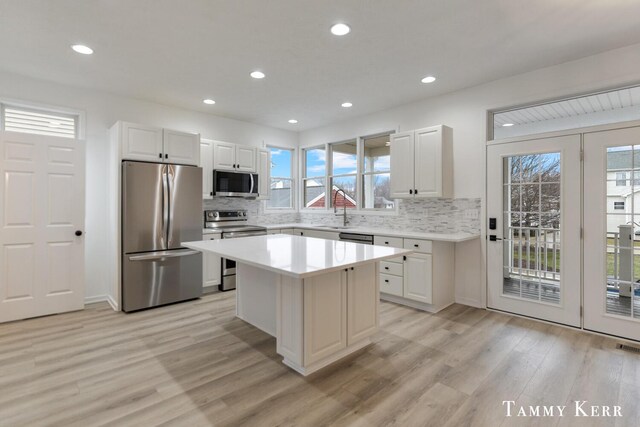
x,y
325,315
363,297
289,321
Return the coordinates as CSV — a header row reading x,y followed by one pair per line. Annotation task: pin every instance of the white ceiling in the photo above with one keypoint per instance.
x,y
180,52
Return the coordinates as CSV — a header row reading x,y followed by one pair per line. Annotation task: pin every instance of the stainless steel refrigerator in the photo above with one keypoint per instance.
x,y
161,207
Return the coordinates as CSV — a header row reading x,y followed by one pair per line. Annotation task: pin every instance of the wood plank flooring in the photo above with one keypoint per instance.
x,y
195,364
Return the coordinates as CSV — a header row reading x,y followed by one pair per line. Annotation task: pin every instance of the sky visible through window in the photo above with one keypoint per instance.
x,y
280,163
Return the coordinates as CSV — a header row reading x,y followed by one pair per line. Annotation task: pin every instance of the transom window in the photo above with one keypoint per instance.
x,y
39,122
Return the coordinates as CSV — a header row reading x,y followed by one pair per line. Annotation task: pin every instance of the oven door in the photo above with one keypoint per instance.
x,y
229,265
235,184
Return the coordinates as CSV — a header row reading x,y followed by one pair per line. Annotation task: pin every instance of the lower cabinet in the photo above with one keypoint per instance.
x,y
320,234
423,279
418,278
340,309
211,266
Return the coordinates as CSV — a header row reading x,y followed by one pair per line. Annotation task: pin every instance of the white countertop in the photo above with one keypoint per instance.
x,y
296,256
443,237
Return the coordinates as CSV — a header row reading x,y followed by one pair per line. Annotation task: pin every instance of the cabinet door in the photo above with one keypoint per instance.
x,y
181,147
141,142
418,278
428,162
362,302
287,231
264,173
245,158
224,155
328,235
206,163
211,265
325,315
402,183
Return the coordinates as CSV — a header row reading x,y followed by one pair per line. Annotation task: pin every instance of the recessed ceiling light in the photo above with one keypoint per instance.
x,y
209,101
80,48
506,125
428,79
293,121
257,75
347,104
340,29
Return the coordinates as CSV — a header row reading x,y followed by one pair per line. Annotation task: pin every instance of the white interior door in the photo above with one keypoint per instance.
x,y
533,193
41,209
612,232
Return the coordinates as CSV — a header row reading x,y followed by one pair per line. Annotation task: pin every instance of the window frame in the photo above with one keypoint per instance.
x,y
359,210
330,175
363,173
292,208
79,116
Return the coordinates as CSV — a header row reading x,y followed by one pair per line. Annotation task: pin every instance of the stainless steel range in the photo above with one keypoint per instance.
x,y
232,224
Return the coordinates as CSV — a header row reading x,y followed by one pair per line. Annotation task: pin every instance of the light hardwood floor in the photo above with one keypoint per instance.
x,y
195,364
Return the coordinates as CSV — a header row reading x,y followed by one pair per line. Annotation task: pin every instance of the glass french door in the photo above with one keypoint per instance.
x,y
533,233
612,232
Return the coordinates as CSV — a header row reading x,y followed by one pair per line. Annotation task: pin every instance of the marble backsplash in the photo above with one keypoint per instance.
x,y
426,215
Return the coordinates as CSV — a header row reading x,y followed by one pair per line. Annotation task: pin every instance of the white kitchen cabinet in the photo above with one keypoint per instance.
x,y
264,173
363,298
418,278
211,265
234,157
206,163
320,234
246,158
422,163
181,147
153,144
325,325
423,279
140,142
224,155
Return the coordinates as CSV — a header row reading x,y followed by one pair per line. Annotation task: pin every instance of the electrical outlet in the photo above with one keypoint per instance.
x,y
471,214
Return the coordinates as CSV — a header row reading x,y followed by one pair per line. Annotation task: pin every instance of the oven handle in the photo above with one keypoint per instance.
x,y
232,235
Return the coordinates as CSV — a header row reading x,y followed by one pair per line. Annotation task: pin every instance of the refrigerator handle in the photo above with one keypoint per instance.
x,y
170,176
165,207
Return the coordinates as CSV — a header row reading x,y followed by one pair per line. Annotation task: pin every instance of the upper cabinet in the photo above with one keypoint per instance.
x,y
422,163
264,173
234,157
153,144
206,163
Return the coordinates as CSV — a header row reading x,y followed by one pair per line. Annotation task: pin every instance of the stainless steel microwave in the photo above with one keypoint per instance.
x,y
235,184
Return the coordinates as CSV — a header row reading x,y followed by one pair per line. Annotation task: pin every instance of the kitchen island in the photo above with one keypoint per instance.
x,y
319,298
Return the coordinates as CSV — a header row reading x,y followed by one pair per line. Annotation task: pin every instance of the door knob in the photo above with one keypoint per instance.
x,y
78,233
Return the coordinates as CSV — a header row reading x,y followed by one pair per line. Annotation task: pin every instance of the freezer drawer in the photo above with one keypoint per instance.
x,y
155,278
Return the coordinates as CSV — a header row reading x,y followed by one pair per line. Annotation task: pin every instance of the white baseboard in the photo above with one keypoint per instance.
x,y
96,298
114,305
469,302
102,298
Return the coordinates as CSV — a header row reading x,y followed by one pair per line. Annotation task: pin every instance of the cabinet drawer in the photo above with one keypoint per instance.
x,y
391,268
391,285
394,242
418,245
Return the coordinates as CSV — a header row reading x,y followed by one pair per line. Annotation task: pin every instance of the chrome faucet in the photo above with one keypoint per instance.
x,y
345,221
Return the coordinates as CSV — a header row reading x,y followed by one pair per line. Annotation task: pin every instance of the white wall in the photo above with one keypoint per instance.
x,y
102,110
466,112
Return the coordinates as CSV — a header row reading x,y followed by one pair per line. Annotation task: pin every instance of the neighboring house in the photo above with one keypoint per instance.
x,y
316,197
623,188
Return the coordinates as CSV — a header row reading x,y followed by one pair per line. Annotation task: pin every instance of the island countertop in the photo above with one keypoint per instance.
x,y
296,256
